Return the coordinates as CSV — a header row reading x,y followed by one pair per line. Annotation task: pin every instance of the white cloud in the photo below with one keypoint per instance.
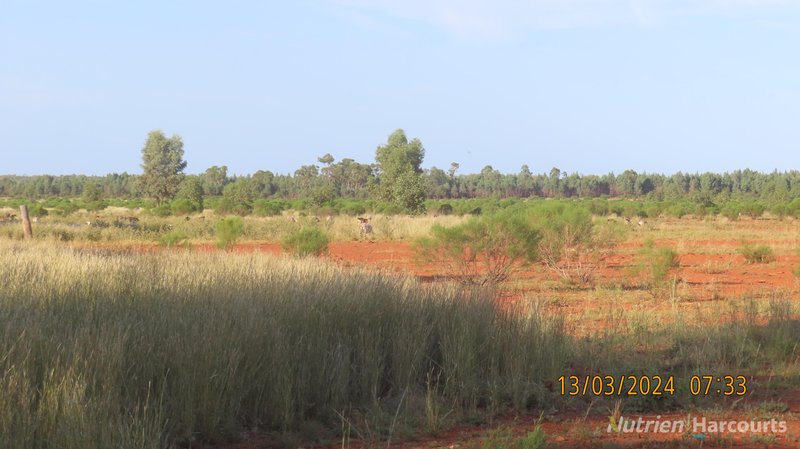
x,y
501,18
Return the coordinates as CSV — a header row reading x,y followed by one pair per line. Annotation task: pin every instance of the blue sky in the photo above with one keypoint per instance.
x,y
589,86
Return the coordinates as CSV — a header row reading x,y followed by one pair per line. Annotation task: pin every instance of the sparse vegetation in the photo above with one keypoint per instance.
x,y
757,253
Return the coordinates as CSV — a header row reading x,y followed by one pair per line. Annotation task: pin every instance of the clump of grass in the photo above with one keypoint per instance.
x,y
715,267
655,264
309,241
229,229
503,438
174,239
757,253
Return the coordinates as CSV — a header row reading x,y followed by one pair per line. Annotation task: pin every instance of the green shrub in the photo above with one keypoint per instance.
x,y
237,198
757,253
599,207
64,208
184,206
173,239
481,251
503,438
678,210
571,246
753,210
323,195
37,210
163,210
534,440
445,209
306,242
269,208
730,211
95,206
654,264
779,210
229,229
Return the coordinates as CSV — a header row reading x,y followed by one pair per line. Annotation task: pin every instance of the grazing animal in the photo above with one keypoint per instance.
x,y
366,226
641,223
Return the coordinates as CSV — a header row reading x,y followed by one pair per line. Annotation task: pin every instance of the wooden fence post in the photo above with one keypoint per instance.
x,y
26,222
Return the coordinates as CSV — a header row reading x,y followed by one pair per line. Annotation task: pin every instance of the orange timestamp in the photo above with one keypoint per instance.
x,y
622,385
631,385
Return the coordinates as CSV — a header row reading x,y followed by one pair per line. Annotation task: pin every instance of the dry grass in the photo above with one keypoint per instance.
x,y
108,227
134,350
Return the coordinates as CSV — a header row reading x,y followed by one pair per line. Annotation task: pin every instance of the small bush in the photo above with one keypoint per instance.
x,y
64,208
37,210
228,231
95,206
654,264
731,212
353,209
753,210
482,251
163,210
503,438
757,253
445,209
269,208
306,242
173,239
183,206
571,245
599,207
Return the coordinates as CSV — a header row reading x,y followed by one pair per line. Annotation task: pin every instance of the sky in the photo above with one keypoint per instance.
x,y
588,86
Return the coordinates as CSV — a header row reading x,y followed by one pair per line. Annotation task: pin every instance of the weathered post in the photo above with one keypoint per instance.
x,y
26,222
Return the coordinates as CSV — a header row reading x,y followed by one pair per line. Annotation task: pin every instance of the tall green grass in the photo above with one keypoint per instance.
x,y
147,350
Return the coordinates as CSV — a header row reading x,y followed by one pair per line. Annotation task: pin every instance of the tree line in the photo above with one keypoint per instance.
x,y
396,176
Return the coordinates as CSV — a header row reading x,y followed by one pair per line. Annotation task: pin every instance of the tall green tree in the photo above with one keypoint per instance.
x,y
214,180
191,189
399,163
163,165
